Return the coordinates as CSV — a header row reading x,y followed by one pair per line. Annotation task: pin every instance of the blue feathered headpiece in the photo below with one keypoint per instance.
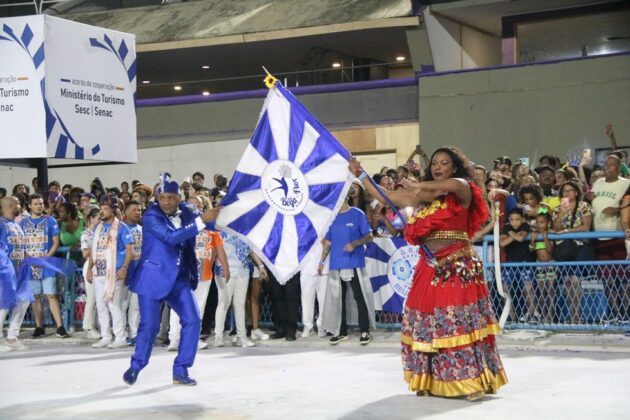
x,y
167,184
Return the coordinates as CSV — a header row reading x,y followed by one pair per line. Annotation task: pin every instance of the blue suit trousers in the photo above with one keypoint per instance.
x,y
182,300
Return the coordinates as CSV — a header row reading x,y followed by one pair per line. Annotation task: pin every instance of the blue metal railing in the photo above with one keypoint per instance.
x,y
581,303
579,295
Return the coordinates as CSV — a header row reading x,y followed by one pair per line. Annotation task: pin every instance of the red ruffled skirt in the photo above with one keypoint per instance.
x,y
448,327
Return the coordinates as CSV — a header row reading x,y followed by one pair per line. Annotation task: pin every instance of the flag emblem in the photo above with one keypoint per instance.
x,y
285,188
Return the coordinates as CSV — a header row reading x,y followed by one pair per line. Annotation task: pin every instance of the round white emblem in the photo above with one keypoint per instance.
x,y
400,268
284,187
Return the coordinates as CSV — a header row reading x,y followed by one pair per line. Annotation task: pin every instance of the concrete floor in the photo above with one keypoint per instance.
x,y
55,381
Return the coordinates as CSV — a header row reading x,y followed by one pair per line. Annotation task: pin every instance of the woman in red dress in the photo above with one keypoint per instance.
x,y
448,327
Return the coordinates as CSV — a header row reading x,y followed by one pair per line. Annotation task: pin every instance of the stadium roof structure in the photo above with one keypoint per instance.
x,y
217,22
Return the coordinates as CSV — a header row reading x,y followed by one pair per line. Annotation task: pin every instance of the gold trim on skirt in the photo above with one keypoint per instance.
x,y
487,382
449,342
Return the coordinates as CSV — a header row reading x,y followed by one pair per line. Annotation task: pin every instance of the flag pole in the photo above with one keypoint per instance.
x,y
385,197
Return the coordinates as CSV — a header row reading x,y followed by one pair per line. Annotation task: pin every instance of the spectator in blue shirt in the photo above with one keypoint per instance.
x,y
345,242
41,234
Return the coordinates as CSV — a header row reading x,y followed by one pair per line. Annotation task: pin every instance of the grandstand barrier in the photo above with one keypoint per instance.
x,y
577,295
587,296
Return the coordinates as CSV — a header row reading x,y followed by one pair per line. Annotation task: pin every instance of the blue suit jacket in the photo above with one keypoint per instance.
x,y
165,250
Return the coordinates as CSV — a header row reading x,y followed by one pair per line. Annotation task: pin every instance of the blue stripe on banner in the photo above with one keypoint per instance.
x,y
66,80
272,246
27,35
131,73
50,119
249,220
306,233
394,304
317,156
7,30
123,50
5,38
39,56
296,130
331,141
325,194
62,146
240,182
95,43
42,86
96,149
376,252
111,45
78,150
379,281
262,140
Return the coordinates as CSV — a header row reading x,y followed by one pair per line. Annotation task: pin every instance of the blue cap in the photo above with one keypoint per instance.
x,y
167,184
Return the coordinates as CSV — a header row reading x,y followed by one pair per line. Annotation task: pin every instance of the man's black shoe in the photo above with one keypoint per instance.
x,y
277,335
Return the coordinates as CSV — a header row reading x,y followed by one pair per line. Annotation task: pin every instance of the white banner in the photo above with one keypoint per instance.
x,y
22,116
90,87
89,74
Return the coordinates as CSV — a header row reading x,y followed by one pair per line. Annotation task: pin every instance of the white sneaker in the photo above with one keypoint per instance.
x,y
102,344
118,344
93,334
306,333
3,347
258,334
218,341
234,341
245,343
321,333
202,345
173,346
16,345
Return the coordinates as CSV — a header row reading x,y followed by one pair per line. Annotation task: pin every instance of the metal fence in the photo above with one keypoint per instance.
x,y
563,296
560,296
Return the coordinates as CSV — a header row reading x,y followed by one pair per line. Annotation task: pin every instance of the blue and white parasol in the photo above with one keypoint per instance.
x,y
288,186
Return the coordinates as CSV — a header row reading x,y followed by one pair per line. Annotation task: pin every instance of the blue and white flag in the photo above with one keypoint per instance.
x,y
390,263
288,186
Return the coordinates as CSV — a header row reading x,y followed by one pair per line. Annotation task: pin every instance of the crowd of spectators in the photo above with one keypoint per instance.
x,y
551,196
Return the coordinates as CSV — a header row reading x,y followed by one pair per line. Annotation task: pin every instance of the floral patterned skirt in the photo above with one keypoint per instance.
x,y
448,327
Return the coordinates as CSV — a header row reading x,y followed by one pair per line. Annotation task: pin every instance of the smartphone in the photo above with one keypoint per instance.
x,y
587,153
527,208
564,202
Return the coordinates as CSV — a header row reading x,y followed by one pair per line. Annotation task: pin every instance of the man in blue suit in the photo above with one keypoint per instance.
x,y
168,272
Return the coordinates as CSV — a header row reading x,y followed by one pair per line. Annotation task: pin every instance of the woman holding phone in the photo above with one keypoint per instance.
x,y
572,216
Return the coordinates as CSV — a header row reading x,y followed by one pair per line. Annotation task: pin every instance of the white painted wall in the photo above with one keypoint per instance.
x,y
182,160
444,38
457,47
